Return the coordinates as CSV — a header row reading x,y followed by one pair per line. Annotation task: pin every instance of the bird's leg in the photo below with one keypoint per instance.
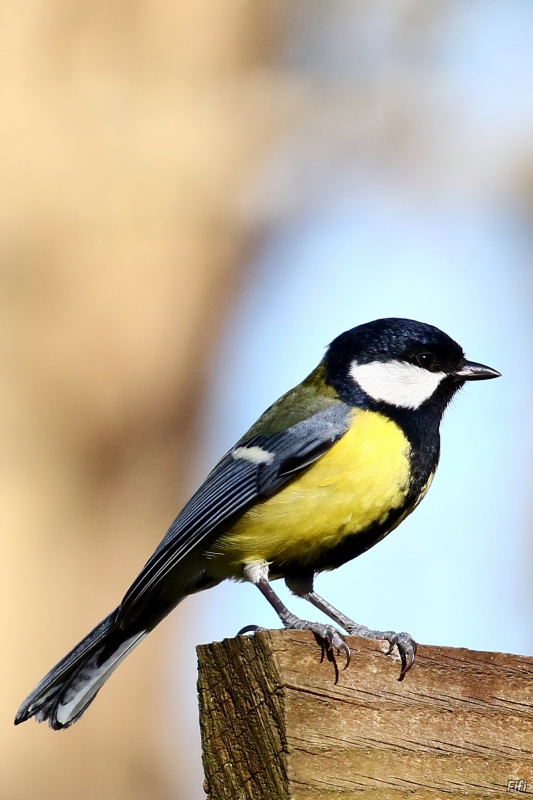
x,y
404,642
328,636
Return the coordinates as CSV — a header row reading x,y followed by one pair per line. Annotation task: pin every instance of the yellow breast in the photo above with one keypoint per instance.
x,y
354,485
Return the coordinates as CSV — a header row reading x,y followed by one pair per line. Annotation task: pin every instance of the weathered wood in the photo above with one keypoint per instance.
x,y
276,726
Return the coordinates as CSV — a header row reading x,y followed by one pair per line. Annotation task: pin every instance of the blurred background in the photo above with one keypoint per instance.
x,y
195,199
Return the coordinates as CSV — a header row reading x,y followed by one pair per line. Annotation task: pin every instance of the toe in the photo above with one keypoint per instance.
x,y
407,648
392,639
334,640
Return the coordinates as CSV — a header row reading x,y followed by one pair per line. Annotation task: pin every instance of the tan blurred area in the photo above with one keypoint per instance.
x,y
129,134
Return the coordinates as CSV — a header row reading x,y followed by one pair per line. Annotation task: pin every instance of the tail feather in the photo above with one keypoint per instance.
x,y
69,688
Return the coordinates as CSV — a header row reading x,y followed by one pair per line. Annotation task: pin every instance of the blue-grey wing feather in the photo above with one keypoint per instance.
x,y
233,486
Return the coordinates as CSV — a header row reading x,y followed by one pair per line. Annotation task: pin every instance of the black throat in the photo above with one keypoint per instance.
x,y
420,425
421,428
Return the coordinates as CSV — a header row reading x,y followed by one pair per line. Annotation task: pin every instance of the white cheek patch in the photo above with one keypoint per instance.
x,y
396,382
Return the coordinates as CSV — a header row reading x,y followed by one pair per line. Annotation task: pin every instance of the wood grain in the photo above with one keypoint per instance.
x,y
276,725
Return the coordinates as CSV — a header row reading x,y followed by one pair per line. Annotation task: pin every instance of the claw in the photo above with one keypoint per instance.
x,y
407,648
348,652
250,629
335,640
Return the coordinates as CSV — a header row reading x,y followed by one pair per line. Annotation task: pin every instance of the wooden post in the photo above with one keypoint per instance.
x,y
276,726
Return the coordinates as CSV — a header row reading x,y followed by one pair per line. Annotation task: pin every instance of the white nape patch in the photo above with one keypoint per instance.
x,y
255,571
91,679
256,455
396,382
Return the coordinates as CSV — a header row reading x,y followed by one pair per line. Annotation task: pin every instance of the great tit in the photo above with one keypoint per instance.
x,y
325,473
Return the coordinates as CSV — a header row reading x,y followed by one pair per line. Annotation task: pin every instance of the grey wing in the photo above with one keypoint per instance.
x,y
252,470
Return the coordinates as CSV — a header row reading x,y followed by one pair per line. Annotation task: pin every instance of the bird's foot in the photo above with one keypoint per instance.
x,y
329,637
403,641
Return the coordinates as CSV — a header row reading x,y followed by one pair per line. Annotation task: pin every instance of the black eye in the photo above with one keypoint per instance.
x,y
426,360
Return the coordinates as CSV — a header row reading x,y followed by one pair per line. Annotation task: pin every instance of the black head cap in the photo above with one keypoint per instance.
x,y
400,340
396,339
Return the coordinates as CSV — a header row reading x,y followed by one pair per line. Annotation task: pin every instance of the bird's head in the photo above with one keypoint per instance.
x,y
399,363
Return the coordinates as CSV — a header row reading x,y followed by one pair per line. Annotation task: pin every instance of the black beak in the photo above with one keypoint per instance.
x,y
476,372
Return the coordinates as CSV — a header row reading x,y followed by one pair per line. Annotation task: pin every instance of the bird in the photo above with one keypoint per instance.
x,y
330,469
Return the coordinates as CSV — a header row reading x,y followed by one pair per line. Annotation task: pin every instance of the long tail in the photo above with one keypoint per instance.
x,y
70,687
